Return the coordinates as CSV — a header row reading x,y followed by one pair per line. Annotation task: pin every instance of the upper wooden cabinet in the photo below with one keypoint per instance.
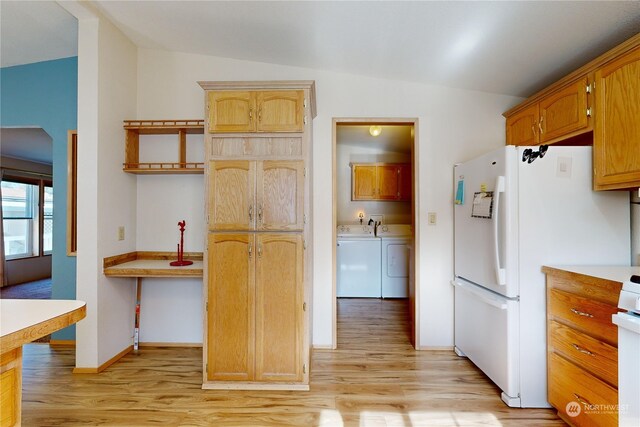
x,y
256,195
364,182
256,111
381,181
521,127
616,136
597,104
560,114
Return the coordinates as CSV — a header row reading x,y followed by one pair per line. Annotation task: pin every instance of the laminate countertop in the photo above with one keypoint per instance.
x,y
612,273
152,264
25,320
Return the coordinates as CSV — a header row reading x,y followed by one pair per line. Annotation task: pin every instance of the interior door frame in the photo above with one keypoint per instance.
x,y
415,214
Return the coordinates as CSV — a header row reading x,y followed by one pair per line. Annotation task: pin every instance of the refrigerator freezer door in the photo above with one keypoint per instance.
x,y
487,321
485,248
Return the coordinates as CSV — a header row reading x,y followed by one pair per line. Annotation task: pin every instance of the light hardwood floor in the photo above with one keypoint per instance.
x,y
375,378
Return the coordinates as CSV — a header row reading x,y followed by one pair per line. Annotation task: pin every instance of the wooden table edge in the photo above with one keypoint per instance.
x,y
11,341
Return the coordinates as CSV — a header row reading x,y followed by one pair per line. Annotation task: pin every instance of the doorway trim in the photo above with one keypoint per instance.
x,y
415,214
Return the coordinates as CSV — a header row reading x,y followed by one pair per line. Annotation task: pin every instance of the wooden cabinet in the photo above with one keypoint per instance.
x,y
231,310
259,264
256,308
616,137
279,307
558,115
597,104
582,354
256,195
364,182
135,128
256,111
381,181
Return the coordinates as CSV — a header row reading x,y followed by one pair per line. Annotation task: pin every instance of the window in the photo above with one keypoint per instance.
x,y
27,223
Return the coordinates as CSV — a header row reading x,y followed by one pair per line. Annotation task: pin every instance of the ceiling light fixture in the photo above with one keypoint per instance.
x,y
375,130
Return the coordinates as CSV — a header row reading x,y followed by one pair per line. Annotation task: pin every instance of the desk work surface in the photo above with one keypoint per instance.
x,y
152,264
25,320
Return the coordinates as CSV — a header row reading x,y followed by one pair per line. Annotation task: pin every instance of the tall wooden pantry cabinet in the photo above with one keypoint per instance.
x,y
258,269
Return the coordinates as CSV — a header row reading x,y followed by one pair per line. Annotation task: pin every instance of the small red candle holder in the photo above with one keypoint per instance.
x,y
181,261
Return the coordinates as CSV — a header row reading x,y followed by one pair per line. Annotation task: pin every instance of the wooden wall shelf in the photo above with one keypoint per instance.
x,y
135,128
151,264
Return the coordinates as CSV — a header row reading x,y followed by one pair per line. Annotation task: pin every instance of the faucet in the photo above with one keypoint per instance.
x,y
370,221
375,227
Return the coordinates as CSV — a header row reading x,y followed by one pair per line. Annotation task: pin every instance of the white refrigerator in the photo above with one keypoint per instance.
x,y
512,216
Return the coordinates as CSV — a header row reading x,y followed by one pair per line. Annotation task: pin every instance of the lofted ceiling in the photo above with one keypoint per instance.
x,y
506,47
35,31
26,143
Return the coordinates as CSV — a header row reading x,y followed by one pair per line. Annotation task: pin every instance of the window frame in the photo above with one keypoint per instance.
x,y
72,193
40,183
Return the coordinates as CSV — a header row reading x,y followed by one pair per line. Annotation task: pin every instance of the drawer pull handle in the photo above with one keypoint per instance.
x,y
582,350
582,400
581,313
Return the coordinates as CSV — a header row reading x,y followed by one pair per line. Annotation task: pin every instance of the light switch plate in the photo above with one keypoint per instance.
x,y
563,169
431,218
121,232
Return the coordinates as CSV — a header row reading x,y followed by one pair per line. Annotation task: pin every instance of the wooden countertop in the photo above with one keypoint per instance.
x,y
618,274
152,264
25,320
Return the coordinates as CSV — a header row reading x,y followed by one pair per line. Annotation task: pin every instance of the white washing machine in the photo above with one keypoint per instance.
x,y
395,240
358,259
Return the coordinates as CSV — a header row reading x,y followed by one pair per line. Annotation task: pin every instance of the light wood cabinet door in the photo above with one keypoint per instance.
x,y
406,182
363,182
280,111
232,111
388,182
616,136
232,195
564,111
280,195
522,127
279,307
231,308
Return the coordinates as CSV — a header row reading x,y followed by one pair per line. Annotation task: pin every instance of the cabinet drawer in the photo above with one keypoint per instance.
x,y
593,355
570,387
586,315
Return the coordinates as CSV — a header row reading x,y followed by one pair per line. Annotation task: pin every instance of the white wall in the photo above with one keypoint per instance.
x,y
107,63
454,125
394,212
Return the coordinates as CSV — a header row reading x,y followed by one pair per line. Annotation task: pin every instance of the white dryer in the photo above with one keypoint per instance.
x,y
395,239
358,259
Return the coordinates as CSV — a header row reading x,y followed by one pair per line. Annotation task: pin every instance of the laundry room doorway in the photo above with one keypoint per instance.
x,y
374,222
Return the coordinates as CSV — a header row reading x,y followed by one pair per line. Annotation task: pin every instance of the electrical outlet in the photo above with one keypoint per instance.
x,y
121,232
431,218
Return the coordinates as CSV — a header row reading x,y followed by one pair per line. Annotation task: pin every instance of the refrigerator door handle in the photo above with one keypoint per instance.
x,y
501,273
482,296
